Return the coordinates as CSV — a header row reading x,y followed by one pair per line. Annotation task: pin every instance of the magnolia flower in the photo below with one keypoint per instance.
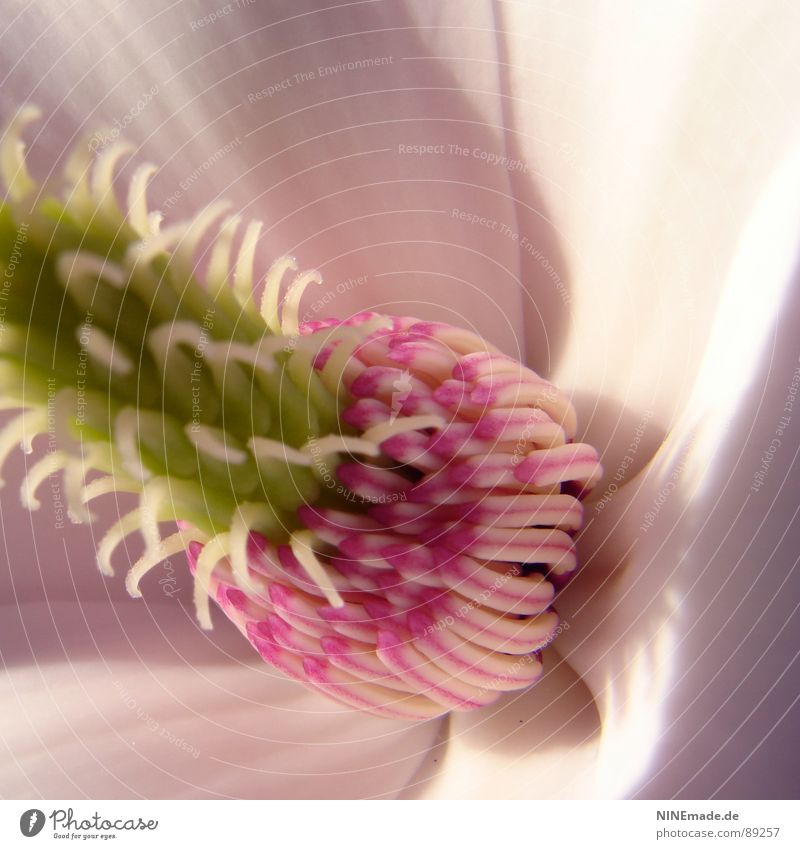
x,y
380,505
382,146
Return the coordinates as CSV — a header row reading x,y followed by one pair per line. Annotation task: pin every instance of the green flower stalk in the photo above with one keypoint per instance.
x,y
383,506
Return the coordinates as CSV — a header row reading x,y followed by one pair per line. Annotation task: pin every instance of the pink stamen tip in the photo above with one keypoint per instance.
x,y
452,394
260,630
481,364
335,645
564,463
371,483
364,548
385,613
366,413
420,624
389,640
316,669
510,423
281,595
193,551
414,563
237,599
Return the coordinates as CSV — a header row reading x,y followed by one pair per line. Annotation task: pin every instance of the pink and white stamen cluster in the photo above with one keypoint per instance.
x,y
441,553
412,537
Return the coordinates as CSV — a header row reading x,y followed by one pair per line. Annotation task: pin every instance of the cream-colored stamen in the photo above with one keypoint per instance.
x,y
123,527
243,273
42,469
333,444
273,449
214,443
272,288
126,438
290,311
402,424
138,216
20,429
300,543
173,544
13,170
216,549
104,350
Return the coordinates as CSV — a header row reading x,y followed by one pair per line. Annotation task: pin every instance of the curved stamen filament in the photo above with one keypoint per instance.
x,y
104,350
220,263
243,273
213,551
123,527
106,485
334,444
260,355
12,155
247,518
19,430
196,228
173,544
215,443
333,369
154,493
271,294
48,465
300,543
80,270
102,179
263,448
74,477
165,338
380,432
138,216
290,319
126,439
